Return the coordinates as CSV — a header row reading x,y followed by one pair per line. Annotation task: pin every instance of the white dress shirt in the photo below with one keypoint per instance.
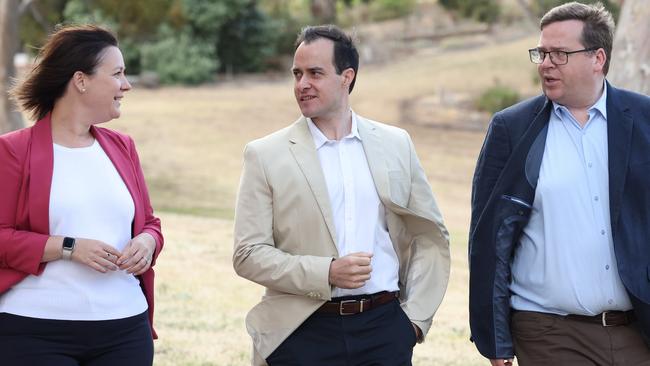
x,y
565,263
359,215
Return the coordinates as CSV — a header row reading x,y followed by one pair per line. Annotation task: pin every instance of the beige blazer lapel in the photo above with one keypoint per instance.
x,y
376,157
304,151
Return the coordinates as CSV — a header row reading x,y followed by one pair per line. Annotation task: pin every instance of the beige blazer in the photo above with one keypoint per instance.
x,y
285,237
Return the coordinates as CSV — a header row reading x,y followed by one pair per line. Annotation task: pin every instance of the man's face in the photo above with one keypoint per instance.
x,y
321,93
571,84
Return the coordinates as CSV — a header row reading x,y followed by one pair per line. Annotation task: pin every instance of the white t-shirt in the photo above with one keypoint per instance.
x,y
88,199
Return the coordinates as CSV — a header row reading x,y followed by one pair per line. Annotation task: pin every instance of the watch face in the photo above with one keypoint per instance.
x,y
68,243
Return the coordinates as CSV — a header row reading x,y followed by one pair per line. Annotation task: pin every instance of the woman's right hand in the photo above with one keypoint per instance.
x,y
95,254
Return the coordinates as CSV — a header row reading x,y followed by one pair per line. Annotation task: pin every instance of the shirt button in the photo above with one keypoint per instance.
x,y
607,267
602,232
595,198
589,165
610,301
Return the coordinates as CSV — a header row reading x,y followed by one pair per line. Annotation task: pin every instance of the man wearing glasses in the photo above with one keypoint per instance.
x,y
560,228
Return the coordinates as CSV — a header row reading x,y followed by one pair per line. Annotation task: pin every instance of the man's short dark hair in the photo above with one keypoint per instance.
x,y
598,30
345,52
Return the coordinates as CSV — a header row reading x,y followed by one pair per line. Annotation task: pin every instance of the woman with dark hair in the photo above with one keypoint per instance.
x,y
78,238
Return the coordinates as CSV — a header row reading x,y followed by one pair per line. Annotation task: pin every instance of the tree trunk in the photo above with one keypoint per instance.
x,y
10,119
630,64
323,11
528,13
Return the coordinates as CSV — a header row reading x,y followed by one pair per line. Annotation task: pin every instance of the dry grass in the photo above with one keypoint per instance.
x,y
190,141
201,303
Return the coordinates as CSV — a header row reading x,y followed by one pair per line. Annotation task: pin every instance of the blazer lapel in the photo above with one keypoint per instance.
x,y
376,157
304,151
619,139
41,166
522,160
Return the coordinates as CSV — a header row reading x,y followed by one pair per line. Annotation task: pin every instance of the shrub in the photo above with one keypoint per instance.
x,y
486,11
497,98
389,9
180,58
247,41
540,7
132,55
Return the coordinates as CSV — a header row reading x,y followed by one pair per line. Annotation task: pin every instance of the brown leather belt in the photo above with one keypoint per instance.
x,y
607,319
356,306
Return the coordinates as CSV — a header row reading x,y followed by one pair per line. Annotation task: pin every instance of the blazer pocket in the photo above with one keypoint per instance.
x,y
400,187
517,205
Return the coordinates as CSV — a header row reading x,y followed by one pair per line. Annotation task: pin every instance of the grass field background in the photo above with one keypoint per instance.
x,y
190,142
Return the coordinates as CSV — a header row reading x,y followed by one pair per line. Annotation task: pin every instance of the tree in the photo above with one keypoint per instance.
x,y
630,64
10,119
323,11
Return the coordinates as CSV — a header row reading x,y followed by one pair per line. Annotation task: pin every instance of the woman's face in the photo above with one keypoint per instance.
x,y
106,87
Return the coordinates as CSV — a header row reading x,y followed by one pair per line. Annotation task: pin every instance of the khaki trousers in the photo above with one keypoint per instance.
x,y
548,339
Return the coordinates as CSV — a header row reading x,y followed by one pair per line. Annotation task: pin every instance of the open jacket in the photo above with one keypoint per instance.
x,y
26,166
285,237
502,196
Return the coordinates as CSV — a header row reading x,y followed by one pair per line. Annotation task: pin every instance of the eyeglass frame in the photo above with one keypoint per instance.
x,y
567,53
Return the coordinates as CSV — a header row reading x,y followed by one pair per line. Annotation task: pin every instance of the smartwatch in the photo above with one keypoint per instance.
x,y
68,248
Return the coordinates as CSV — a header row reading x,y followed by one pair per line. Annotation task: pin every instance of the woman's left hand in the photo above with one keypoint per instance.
x,y
136,257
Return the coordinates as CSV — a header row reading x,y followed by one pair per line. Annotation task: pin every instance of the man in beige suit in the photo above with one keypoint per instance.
x,y
336,219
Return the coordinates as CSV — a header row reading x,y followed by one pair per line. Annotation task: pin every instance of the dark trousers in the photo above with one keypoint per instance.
x,y
548,339
382,336
28,341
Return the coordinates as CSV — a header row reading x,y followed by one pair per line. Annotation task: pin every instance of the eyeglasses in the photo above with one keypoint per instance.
x,y
537,56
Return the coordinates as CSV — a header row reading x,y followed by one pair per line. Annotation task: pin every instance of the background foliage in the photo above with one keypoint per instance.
x,y
483,10
540,7
187,41
497,98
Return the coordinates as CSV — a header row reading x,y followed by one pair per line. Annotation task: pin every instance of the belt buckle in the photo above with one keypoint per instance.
x,y
342,312
604,319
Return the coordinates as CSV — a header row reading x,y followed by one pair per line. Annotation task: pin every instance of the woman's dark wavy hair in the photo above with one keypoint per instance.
x,y
68,50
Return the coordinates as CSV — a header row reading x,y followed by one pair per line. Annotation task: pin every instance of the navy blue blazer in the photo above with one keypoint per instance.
x,y
503,190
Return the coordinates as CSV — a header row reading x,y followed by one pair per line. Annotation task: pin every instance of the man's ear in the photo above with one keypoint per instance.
x,y
79,81
348,76
600,59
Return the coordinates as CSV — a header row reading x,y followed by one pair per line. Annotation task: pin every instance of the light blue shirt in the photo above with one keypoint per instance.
x,y
565,263
359,216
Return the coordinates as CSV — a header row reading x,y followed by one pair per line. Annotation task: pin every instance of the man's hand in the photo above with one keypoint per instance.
x,y
350,271
501,362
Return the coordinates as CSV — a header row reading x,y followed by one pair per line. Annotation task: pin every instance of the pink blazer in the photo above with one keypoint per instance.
x,y
26,163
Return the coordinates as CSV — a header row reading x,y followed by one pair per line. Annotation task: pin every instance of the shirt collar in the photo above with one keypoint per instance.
x,y
320,139
600,105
